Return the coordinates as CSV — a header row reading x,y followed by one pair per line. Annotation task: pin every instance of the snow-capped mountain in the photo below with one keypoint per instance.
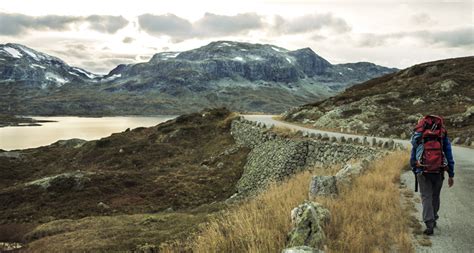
x,y
242,62
19,63
240,76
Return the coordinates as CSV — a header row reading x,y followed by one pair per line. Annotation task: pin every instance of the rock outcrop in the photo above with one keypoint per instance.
x,y
323,186
308,221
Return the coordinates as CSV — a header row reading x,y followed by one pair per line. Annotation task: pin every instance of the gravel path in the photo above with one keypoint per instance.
x,y
455,232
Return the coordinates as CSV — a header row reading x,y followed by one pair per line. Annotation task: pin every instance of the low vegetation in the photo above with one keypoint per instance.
x,y
369,215
366,217
391,105
257,225
145,185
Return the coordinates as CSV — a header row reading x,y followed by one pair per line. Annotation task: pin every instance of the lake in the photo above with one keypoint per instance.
x,y
71,127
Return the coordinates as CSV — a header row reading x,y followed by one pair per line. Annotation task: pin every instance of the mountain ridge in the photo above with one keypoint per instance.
x,y
241,76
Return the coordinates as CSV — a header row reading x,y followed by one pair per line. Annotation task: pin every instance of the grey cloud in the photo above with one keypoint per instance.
x,y
213,25
128,40
455,38
422,19
310,23
317,37
106,24
18,24
220,25
168,24
210,25
14,24
461,37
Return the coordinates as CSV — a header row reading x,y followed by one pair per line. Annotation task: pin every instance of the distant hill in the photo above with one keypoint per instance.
x,y
241,76
392,104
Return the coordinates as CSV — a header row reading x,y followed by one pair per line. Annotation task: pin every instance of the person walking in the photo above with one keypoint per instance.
x,y
431,156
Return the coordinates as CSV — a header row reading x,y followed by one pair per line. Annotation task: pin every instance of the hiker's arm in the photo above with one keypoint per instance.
x,y
413,152
448,152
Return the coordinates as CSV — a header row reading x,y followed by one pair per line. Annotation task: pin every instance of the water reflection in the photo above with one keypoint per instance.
x,y
70,127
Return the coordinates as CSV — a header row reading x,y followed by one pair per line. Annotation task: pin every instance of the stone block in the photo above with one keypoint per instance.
x,y
308,220
322,186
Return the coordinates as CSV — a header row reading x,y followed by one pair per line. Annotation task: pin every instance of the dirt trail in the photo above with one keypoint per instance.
x,y
455,232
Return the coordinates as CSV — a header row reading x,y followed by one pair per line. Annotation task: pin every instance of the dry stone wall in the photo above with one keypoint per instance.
x,y
272,158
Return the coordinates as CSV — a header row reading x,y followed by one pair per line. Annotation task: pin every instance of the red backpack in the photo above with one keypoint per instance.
x,y
432,133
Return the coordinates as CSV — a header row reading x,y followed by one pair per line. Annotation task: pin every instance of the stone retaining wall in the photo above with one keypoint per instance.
x,y
273,157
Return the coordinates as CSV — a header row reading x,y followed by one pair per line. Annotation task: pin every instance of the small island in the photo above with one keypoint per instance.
x,y
12,120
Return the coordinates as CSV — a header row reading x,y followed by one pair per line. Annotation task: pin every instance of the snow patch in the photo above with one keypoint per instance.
x,y
13,52
90,75
350,69
171,54
238,58
112,77
255,57
243,49
55,78
31,53
38,66
340,73
277,49
289,60
74,74
224,44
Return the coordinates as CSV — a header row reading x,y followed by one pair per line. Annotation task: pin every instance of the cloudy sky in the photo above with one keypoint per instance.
x,y
98,35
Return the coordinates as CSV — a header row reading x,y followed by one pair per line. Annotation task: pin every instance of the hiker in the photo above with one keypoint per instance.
x,y
431,156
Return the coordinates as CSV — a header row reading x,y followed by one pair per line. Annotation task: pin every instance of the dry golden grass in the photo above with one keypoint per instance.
x,y
366,217
228,120
369,216
257,225
283,131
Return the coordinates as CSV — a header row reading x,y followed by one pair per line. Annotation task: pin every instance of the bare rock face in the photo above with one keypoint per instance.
x,y
308,220
323,186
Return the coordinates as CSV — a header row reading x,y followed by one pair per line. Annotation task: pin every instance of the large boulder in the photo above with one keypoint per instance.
x,y
322,186
308,221
70,181
71,143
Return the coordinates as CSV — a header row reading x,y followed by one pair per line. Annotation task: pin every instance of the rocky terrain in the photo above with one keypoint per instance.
x,y
391,105
151,182
11,120
240,76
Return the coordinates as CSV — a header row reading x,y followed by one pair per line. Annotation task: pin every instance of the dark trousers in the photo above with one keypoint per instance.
x,y
430,189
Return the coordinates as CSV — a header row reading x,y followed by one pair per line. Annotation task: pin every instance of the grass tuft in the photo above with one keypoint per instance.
x,y
257,225
369,216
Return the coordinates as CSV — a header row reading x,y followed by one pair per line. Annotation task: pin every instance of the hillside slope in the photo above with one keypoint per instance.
x,y
392,104
147,172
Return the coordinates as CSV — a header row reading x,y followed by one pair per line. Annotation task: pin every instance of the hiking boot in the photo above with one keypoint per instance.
x,y
428,231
